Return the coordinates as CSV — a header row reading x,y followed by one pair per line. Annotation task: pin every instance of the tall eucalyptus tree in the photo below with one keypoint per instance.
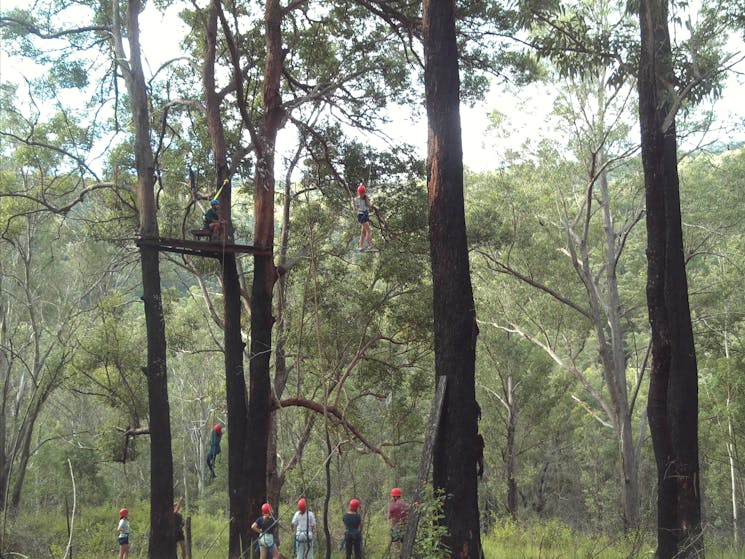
x,y
455,329
673,389
107,36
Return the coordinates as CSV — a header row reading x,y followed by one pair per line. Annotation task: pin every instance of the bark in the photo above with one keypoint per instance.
x,y
455,330
239,451
613,357
260,396
276,477
673,390
512,503
162,541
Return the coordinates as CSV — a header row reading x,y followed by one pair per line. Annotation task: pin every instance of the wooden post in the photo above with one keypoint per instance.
x,y
187,531
425,461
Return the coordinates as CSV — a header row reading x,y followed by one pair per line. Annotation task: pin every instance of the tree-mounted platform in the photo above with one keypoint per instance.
x,y
208,249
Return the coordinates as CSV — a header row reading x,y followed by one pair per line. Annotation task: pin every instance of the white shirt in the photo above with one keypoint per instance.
x,y
304,521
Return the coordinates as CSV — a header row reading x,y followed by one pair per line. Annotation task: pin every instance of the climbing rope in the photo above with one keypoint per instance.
x,y
276,520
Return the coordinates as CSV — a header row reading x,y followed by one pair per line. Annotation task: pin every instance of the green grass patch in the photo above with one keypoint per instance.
x,y
552,540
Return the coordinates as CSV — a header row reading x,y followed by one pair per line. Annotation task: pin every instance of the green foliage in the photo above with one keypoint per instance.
x,y
431,529
556,541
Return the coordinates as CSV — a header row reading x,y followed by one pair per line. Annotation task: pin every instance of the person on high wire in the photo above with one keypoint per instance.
x,y
362,205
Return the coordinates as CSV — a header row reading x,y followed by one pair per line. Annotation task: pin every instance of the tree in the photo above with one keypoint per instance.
x,y
673,383
162,542
455,329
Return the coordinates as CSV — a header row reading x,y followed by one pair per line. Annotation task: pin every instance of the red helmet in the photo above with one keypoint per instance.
x,y
123,513
302,505
217,428
396,492
361,189
266,508
354,504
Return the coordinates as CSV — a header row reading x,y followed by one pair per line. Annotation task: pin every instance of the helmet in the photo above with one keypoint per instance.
x,y
354,504
123,513
266,508
302,505
217,428
361,189
396,492
214,202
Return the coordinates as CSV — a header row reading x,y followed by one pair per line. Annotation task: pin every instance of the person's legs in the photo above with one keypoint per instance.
x,y
348,544
303,550
182,545
211,463
367,232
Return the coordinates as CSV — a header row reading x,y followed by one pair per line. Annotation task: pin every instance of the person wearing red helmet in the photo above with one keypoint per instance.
x,y
353,530
362,205
215,437
398,512
303,523
123,530
266,527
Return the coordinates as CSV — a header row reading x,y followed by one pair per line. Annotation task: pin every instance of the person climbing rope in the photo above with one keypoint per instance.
x,y
214,449
214,223
303,522
362,205
266,527
353,530
398,512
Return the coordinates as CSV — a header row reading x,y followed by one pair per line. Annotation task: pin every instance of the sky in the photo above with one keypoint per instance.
x,y
482,148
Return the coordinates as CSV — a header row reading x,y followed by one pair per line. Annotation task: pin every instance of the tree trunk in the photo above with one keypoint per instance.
x,y
613,353
512,503
455,330
162,540
673,390
239,451
260,396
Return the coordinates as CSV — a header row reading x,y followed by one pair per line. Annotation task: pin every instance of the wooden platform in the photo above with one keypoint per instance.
x,y
201,248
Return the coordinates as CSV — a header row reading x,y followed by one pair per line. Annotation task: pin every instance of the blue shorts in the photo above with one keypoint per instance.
x,y
124,539
363,217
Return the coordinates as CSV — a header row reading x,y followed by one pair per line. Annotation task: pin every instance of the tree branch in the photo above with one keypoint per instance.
x,y
335,412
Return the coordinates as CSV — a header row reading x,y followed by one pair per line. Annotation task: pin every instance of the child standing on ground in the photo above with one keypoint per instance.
x,y
266,527
362,206
353,530
123,530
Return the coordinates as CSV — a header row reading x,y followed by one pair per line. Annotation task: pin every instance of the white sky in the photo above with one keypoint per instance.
x,y
481,149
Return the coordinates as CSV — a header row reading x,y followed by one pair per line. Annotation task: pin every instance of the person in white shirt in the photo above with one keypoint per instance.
x,y
123,531
303,522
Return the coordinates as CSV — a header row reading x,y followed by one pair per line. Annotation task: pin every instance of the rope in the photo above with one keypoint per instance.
x,y
328,457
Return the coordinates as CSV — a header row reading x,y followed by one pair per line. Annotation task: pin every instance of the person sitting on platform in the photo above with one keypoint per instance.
x,y
214,223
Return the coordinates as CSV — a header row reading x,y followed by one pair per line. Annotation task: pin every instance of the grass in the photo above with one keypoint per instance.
x,y
556,541
42,536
